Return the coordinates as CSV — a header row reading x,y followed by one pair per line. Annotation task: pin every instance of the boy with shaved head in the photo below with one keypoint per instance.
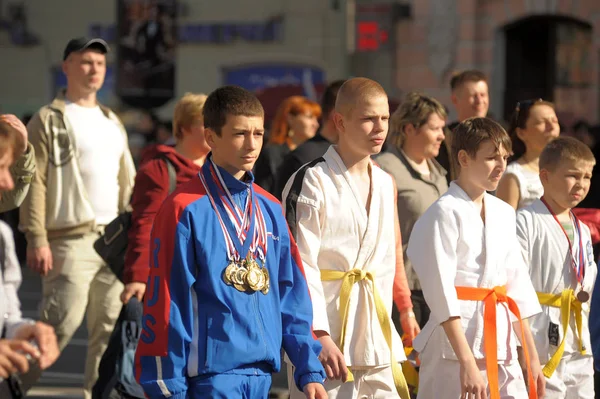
x,y
341,211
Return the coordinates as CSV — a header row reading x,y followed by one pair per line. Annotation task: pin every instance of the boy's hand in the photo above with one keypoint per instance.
x,y
314,390
472,384
332,359
538,377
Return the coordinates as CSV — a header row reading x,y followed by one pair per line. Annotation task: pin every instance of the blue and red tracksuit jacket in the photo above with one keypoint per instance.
x,y
194,324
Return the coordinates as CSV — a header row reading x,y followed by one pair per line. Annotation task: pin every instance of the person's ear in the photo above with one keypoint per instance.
x,y
463,159
338,121
211,137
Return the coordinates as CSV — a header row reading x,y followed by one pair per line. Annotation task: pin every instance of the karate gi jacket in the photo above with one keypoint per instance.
x,y
330,223
450,247
545,250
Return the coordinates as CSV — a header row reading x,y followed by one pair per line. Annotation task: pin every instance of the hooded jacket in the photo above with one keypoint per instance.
x,y
150,190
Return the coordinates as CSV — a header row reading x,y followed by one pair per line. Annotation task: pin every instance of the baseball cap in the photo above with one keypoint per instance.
x,y
82,43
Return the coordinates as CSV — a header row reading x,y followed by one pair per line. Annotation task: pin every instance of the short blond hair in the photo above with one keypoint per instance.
x,y
415,110
355,90
187,110
563,149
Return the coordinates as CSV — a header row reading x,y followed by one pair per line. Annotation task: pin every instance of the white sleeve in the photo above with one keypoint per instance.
x,y
306,229
432,252
523,238
518,281
11,281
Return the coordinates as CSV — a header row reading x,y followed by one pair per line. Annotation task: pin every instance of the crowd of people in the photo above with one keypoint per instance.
x,y
365,242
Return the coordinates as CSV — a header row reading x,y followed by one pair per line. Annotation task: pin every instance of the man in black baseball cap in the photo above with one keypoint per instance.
x,y
76,281
84,43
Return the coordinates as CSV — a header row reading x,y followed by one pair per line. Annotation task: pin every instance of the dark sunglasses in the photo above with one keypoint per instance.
x,y
524,105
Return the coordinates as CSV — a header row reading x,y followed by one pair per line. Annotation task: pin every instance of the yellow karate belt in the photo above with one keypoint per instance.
x,y
348,281
567,302
410,373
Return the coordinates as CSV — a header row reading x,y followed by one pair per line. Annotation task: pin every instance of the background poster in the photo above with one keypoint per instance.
x,y
146,43
273,82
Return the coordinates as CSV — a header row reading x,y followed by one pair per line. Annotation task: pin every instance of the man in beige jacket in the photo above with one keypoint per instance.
x,y
84,179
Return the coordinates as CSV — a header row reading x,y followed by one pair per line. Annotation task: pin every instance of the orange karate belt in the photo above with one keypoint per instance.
x,y
490,297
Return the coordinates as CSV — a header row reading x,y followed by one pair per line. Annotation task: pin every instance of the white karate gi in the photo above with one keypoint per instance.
x,y
545,250
449,247
333,232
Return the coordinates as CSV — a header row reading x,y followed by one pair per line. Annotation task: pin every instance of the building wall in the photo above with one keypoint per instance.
x,y
444,36
313,34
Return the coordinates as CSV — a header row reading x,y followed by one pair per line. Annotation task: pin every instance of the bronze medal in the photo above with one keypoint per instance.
x,y
583,296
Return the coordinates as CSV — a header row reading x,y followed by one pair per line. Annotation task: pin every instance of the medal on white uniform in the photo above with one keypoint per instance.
x,y
244,231
578,264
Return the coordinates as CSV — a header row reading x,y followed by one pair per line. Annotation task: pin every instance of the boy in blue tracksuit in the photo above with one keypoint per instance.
x,y
226,288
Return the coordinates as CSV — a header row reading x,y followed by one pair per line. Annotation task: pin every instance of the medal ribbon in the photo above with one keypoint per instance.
x,y
578,266
248,225
240,219
230,216
259,244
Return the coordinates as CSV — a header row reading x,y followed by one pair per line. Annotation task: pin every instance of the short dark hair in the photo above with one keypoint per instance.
x,y
329,97
470,133
229,100
562,149
471,75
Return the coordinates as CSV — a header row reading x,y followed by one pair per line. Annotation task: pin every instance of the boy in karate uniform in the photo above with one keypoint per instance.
x,y
341,210
557,247
465,251
226,289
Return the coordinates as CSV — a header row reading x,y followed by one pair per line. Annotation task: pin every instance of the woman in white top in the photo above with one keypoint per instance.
x,y
533,125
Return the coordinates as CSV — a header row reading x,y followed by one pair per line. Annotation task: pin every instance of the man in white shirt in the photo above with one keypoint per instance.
x,y
84,179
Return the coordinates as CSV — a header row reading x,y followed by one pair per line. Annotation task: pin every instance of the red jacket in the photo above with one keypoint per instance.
x,y
591,217
150,190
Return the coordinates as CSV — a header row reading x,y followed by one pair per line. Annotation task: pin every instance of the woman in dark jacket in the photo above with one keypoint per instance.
x,y
295,122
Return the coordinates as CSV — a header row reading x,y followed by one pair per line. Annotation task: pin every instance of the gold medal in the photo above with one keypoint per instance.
x,y
265,273
255,279
228,273
239,279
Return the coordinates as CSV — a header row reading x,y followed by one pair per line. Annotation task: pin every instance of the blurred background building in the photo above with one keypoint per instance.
x,y
528,48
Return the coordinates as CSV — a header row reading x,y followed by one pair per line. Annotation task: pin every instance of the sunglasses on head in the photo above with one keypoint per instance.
x,y
525,105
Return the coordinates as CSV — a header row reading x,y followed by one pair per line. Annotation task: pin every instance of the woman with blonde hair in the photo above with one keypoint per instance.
x,y
295,122
153,183
414,140
533,125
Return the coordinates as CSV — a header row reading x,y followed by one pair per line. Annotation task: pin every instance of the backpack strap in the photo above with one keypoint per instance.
x,y
172,175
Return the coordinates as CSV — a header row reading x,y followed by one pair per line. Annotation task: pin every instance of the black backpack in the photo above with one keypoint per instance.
x,y
116,372
116,379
